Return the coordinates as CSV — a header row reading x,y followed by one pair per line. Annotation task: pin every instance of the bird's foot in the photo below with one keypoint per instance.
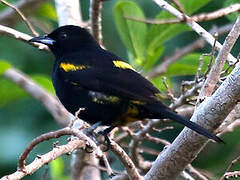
x,y
96,137
106,140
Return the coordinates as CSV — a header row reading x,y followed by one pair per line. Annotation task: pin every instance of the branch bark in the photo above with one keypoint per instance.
x,y
68,12
44,159
127,162
60,114
95,13
210,114
197,18
21,36
216,70
80,168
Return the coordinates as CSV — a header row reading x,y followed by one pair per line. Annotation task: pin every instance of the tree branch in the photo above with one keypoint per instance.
x,y
216,14
41,138
209,115
196,27
95,13
9,16
68,12
22,16
84,165
60,114
44,159
127,162
21,36
197,18
216,70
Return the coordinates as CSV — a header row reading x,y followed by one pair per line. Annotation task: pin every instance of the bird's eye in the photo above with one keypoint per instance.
x,y
63,35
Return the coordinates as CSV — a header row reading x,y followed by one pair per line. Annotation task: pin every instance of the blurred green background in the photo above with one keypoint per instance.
x,y
22,118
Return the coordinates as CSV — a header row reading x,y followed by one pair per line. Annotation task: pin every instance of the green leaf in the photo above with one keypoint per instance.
x,y
192,6
159,34
152,57
57,168
10,92
187,65
47,10
158,82
4,66
132,33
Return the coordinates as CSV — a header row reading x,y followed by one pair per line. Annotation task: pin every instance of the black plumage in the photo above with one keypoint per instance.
x,y
111,91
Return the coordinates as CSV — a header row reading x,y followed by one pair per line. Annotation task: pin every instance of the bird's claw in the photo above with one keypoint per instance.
x,y
106,140
95,137
88,148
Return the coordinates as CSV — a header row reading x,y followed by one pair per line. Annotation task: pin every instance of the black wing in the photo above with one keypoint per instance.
x,y
125,83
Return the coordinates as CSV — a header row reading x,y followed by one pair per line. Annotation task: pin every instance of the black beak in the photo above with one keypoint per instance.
x,y
43,39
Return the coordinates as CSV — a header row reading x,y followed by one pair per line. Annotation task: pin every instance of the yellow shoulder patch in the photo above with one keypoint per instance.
x,y
137,102
122,65
71,67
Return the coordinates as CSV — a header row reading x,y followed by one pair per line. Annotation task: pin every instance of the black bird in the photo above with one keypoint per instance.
x,y
111,91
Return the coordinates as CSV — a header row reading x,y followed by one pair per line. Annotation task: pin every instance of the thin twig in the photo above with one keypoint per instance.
x,y
154,21
162,129
44,159
199,43
216,14
209,115
234,174
211,56
178,4
10,17
196,173
169,92
21,36
127,162
22,16
115,172
107,165
138,137
226,71
197,76
230,167
216,70
96,19
182,98
196,18
196,27
142,149
76,117
45,137
156,140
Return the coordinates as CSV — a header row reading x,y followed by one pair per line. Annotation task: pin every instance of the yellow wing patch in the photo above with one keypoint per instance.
x,y
106,99
123,65
137,102
71,67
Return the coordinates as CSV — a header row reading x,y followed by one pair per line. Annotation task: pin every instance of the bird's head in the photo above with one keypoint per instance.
x,y
66,39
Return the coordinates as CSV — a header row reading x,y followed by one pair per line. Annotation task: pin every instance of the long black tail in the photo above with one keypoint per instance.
x,y
161,111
